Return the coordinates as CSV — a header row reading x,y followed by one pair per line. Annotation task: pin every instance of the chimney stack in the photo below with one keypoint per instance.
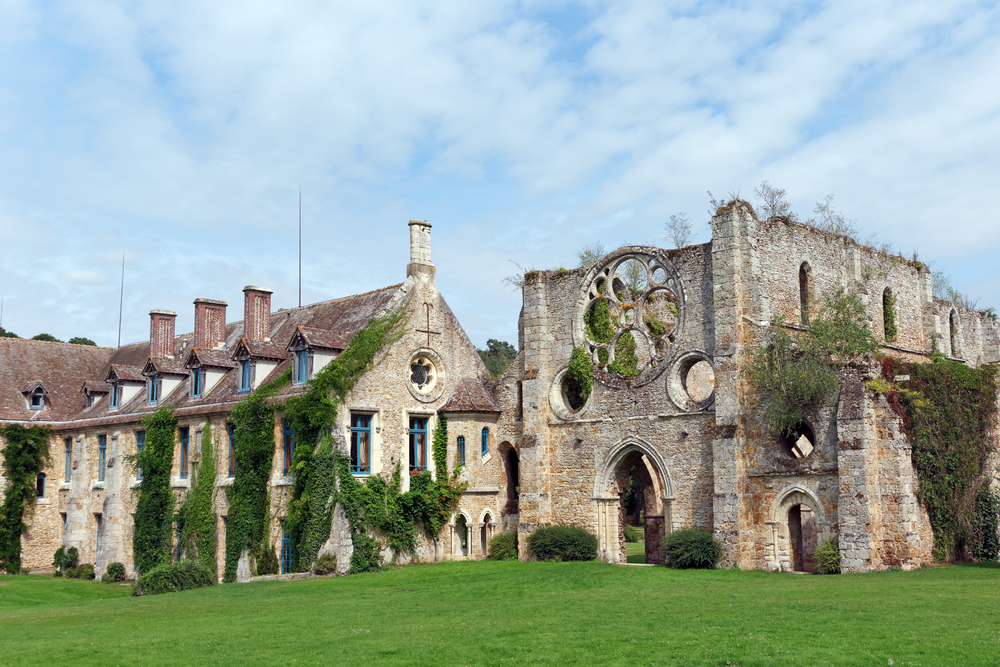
x,y
161,333
209,324
420,249
256,313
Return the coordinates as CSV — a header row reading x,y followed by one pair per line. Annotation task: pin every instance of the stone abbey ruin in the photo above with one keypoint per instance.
x,y
665,350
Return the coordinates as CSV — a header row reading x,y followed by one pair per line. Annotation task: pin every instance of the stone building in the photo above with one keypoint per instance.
x,y
683,419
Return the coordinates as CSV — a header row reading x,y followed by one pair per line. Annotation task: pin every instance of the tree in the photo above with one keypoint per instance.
x,y
7,334
679,230
77,340
772,201
590,254
497,356
831,220
48,337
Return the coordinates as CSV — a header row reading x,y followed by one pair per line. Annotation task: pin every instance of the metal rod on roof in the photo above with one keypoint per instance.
x,y
121,301
300,246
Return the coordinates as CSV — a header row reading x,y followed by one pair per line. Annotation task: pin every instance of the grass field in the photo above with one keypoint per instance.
x,y
486,613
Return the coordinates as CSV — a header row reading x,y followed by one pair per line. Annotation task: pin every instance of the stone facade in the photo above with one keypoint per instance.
x,y
684,419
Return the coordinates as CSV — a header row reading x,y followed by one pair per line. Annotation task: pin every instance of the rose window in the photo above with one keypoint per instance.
x,y
423,375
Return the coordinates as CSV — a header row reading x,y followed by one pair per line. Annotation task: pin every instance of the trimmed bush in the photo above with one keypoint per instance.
x,y
115,572
828,557
172,577
268,562
503,546
691,548
325,564
563,543
85,572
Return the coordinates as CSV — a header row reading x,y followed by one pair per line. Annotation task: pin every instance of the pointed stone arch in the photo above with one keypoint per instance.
x,y
609,482
786,503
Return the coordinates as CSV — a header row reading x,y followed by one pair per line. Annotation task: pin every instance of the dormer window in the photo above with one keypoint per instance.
x,y
116,395
245,368
301,366
154,389
36,399
197,380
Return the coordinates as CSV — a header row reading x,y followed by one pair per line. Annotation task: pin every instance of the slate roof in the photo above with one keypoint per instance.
x,y
165,365
261,350
213,358
321,338
470,395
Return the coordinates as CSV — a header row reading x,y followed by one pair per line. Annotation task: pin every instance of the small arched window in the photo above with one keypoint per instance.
x,y
486,441
953,332
805,287
889,314
40,485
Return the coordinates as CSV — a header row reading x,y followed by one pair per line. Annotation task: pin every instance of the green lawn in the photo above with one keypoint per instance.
x,y
490,613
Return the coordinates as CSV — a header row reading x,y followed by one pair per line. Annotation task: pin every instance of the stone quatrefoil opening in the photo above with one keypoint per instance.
x,y
422,375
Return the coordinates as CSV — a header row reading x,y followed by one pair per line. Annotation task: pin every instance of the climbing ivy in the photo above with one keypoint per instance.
x,y
197,515
948,411
155,506
249,502
23,456
889,314
597,320
579,379
439,447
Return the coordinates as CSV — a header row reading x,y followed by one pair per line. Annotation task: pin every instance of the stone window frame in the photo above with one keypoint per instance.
x,y
356,431
102,456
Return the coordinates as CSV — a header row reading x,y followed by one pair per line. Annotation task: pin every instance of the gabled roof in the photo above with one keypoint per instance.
x,y
259,350
211,358
164,366
94,387
32,386
470,395
319,338
124,373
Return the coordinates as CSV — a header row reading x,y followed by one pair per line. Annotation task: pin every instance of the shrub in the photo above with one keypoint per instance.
x,y
72,573
691,548
367,556
85,572
563,543
268,562
828,557
173,577
114,572
325,564
631,534
503,546
64,559
25,570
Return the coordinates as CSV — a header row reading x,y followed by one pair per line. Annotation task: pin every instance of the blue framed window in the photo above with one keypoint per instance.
x,y
40,485
418,444
301,365
97,540
197,378
289,445
245,375
116,394
184,451
69,458
460,445
102,456
361,444
486,441
140,447
90,400
286,551
154,389
232,449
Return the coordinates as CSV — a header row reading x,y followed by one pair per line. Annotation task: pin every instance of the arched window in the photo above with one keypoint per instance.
x,y
805,287
953,332
40,485
889,314
486,441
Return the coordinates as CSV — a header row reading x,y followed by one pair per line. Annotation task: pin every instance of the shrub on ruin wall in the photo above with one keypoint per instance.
x,y
503,546
948,413
155,507
563,543
23,456
691,549
579,380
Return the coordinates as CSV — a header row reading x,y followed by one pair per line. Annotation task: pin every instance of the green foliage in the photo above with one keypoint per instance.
x,y
197,514
597,321
503,546
986,526
656,327
154,508
632,498
65,559
173,577
72,572
497,356
691,548
631,534
7,334
79,340
889,314
366,555
439,448
590,254
314,412
47,337
626,362
114,572
249,506
579,381
325,564
795,375
23,456
563,543
81,572
267,561
948,415
602,355
828,557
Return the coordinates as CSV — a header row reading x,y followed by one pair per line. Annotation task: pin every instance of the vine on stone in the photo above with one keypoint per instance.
x,y
23,456
155,507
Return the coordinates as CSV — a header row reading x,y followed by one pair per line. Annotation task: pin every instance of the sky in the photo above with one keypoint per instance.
x,y
180,134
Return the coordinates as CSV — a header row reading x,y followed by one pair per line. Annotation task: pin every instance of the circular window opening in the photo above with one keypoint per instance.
x,y
659,275
423,374
631,280
573,393
799,442
699,381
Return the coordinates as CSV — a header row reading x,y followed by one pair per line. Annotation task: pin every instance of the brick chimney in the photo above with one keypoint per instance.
x,y
256,313
420,249
209,324
161,333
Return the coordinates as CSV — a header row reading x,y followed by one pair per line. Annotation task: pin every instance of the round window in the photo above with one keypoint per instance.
x,y
425,373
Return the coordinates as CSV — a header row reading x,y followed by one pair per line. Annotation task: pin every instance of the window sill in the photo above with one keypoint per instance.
x,y
98,486
43,501
487,458
64,486
225,481
180,482
135,484
283,480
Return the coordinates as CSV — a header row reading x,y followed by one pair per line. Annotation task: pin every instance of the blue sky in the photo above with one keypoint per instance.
x,y
180,133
